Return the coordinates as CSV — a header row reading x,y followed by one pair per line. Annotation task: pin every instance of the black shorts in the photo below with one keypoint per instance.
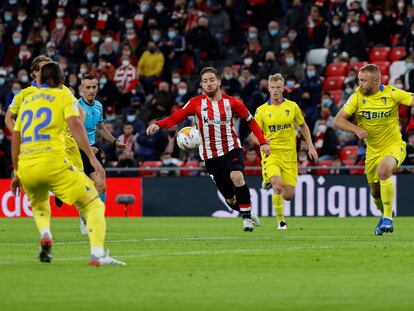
x,y
87,166
221,167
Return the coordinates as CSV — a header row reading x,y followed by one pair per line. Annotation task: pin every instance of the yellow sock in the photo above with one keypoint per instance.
x,y
41,215
378,203
95,218
277,201
387,196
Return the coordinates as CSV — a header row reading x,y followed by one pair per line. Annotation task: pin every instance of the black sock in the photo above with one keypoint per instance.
x,y
243,200
234,207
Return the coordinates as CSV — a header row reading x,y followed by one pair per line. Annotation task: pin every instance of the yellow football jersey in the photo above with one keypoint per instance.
x,y
19,98
378,115
69,140
41,123
278,123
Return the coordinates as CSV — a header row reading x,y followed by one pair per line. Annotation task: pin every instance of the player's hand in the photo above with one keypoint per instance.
x,y
97,166
122,146
15,185
313,154
361,133
94,150
265,149
152,129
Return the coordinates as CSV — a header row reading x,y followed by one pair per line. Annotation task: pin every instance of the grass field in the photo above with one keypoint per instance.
x,y
211,264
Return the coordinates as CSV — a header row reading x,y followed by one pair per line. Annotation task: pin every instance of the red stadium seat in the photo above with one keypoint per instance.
x,y
333,83
336,95
324,167
337,70
357,65
150,164
384,67
394,39
354,171
398,53
189,164
380,54
349,152
385,79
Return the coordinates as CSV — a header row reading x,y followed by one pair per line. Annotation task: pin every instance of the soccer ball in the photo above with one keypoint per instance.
x,y
189,138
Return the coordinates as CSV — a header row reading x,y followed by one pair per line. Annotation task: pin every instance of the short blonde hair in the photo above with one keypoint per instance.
x,y
276,77
371,68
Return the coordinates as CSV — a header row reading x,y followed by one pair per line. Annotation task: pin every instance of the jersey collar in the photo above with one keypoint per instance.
x,y
34,83
84,101
381,87
45,85
269,102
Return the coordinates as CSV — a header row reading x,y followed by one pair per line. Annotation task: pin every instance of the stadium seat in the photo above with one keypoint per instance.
x,y
150,164
397,69
333,83
189,164
385,79
337,70
336,95
394,39
384,67
398,53
349,152
380,54
317,57
353,171
357,65
323,170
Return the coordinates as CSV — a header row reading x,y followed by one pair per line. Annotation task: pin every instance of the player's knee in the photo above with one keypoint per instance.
x,y
384,172
237,178
100,187
288,196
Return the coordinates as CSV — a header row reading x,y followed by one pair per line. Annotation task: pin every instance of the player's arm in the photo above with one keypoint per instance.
x,y
341,122
308,137
10,120
174,119
106,134
13,111
242,112
15,151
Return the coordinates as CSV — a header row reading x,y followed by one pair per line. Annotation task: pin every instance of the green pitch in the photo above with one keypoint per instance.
x,y
211,264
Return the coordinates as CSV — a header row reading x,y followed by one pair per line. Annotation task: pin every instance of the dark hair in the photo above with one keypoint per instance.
x,y
51,74
36,63
89,76
209,69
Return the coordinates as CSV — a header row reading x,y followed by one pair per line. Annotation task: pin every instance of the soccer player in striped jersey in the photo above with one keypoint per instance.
x,y
221,148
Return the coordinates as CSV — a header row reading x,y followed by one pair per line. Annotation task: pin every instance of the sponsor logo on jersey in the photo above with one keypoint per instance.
x,y
369,115
279,127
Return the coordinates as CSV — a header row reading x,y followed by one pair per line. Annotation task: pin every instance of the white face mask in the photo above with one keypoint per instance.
x,y
399,85
176,80
182,92
95,39
248,61
322,128
60,13
131,118
302,158
59,25
125,62
82,70
228,76
21,18
103,81
377,17
25,79
354,29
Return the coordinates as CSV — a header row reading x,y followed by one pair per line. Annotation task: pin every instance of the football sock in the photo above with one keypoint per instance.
x,y
243,200
41,215
234,206
95,217
277,201
103,197
387,196
378,203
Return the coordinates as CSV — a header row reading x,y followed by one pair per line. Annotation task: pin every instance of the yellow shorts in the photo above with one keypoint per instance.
x,y
74,156
61,177
397,151
274,166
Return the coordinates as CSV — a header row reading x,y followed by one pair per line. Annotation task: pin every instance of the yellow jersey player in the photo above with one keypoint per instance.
x,y
376,109
41,165
72,149
278,119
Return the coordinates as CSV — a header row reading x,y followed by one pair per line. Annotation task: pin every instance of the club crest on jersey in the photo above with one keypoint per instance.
x,y
384,100
269,115
287,112
364,101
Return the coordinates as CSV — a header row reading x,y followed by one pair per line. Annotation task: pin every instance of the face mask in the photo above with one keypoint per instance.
x,y
292,36
290,83
19,28
130,37
348,90
59,25
322,128
125,62
399,86
252,36
83,70
248,61
8,18
144,7
95,39
377,17
25,79
131,118
60,13
15,91
74,38
156,37
228,76
311,74
326,102
12,2
176,80
90,55
129,25
2,81
23,55
83,11
400,5
103,81
182,92
159,8
21,18
336,22
167,161
302,158
17,41
285,45
171,34
1,136
108,40
354,29
45,2
273,32
290,61
50,53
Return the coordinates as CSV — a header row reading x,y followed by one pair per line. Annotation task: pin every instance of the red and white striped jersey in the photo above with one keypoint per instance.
x,y
214,119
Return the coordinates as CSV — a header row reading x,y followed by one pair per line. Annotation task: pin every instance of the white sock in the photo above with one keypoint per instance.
x,y
45,231
97,251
